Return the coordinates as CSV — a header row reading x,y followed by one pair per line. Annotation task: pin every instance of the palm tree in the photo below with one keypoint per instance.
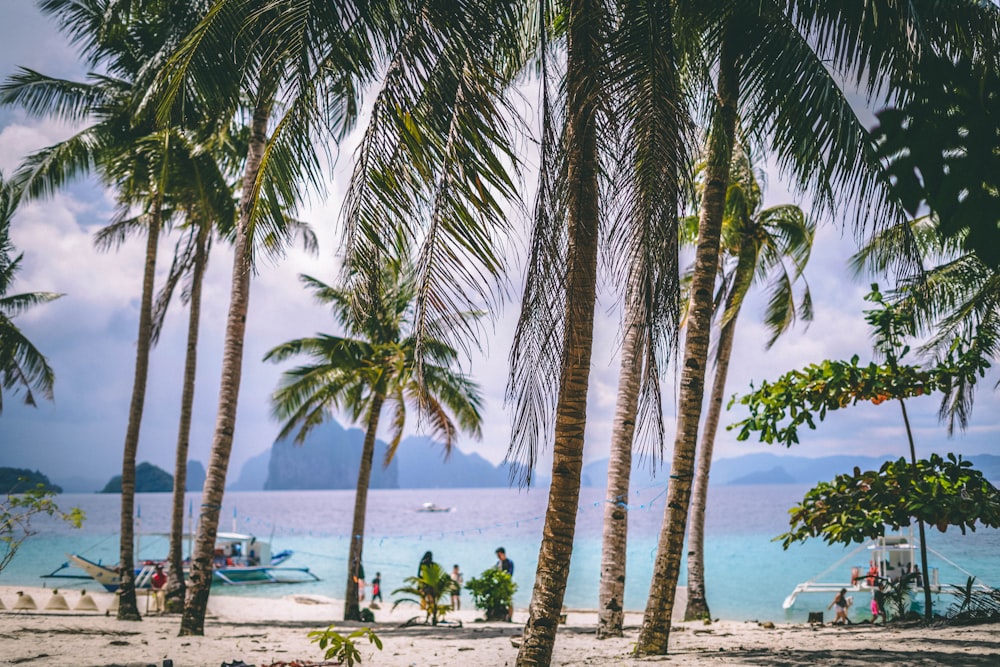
x,y
759,245
373,366
771,71
22,366
955,295
433,584
128,152
299,94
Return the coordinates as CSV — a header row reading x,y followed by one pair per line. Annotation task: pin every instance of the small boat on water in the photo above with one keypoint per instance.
x,y
431,507
240,559
889,559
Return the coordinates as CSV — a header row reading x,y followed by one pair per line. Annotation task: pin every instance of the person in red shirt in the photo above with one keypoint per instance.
x,y
157,583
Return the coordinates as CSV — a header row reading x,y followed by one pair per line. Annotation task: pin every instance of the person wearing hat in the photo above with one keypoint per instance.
x,y
156,584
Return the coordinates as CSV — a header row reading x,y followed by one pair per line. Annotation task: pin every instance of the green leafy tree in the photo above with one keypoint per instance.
x,y
429,589
373,366
954,296
941,146
939,491
22,366
493,593
16,513
776,410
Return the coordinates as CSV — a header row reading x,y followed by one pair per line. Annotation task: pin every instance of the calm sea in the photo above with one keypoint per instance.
x,y
748,575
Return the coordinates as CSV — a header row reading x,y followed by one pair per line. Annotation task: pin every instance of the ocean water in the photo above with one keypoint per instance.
x,y
748,575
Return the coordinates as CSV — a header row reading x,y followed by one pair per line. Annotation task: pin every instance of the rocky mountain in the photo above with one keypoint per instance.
x,y
767,468
148,479
330,456
153,479
328,459
19,480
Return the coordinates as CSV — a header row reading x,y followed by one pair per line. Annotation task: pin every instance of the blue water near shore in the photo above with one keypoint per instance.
x,y
747,574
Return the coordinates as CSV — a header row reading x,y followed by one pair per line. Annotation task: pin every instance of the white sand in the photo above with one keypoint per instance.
x,y
264,631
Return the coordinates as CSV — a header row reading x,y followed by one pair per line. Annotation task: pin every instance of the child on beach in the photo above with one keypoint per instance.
x,y
377,587
456,576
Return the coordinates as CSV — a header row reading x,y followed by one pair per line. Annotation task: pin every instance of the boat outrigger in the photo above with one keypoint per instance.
x,y
890,558
240,559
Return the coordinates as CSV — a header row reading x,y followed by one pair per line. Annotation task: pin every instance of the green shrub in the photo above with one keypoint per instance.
x,y
341,648
492,592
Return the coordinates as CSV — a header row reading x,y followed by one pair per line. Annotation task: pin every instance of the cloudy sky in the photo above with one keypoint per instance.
x,y
89,334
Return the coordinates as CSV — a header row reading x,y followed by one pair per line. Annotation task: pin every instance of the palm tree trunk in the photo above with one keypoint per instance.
x,y
352,610
697,605
581,292
655,632
924,573
175,588
611,595
128,609
193,619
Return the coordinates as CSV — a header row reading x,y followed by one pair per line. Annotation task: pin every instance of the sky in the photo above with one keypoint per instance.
x,y
89,334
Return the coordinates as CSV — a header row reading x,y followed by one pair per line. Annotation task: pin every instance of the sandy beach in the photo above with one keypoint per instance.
x,y
262,631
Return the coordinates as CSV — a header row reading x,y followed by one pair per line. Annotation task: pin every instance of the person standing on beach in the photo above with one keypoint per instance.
x,y
156,585
456,592
505,564
377,587
360,578
840,604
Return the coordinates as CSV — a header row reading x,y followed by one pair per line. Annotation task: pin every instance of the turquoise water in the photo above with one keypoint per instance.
x,y
748,575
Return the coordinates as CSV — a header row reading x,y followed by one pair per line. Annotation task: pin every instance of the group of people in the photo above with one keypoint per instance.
x,y
503,564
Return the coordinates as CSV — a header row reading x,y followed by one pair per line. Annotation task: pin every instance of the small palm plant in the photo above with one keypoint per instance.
x,y
433,584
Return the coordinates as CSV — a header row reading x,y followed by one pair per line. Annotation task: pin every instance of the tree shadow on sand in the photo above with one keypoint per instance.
x,y
864,657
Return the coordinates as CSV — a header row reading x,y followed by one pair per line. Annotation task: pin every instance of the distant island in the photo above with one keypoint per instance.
x,y
19,480
153,479
330,456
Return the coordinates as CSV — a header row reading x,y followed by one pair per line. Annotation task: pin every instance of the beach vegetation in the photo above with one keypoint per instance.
x,y
18,510
777,409
855,507
343,648
374,366
428,590
772,66
22,365
132,154
261,64
492,593
942,150
759,246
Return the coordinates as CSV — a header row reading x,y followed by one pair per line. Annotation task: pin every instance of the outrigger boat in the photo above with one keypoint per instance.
x,y
240,559
890,558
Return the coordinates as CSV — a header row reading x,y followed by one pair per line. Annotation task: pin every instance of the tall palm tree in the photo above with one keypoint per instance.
x,y
22,366
769,245
204,195
128,152
621,106
772,71
374,366
299,93
954,295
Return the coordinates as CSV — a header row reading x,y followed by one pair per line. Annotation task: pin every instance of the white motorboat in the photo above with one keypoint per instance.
x,y
431,507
